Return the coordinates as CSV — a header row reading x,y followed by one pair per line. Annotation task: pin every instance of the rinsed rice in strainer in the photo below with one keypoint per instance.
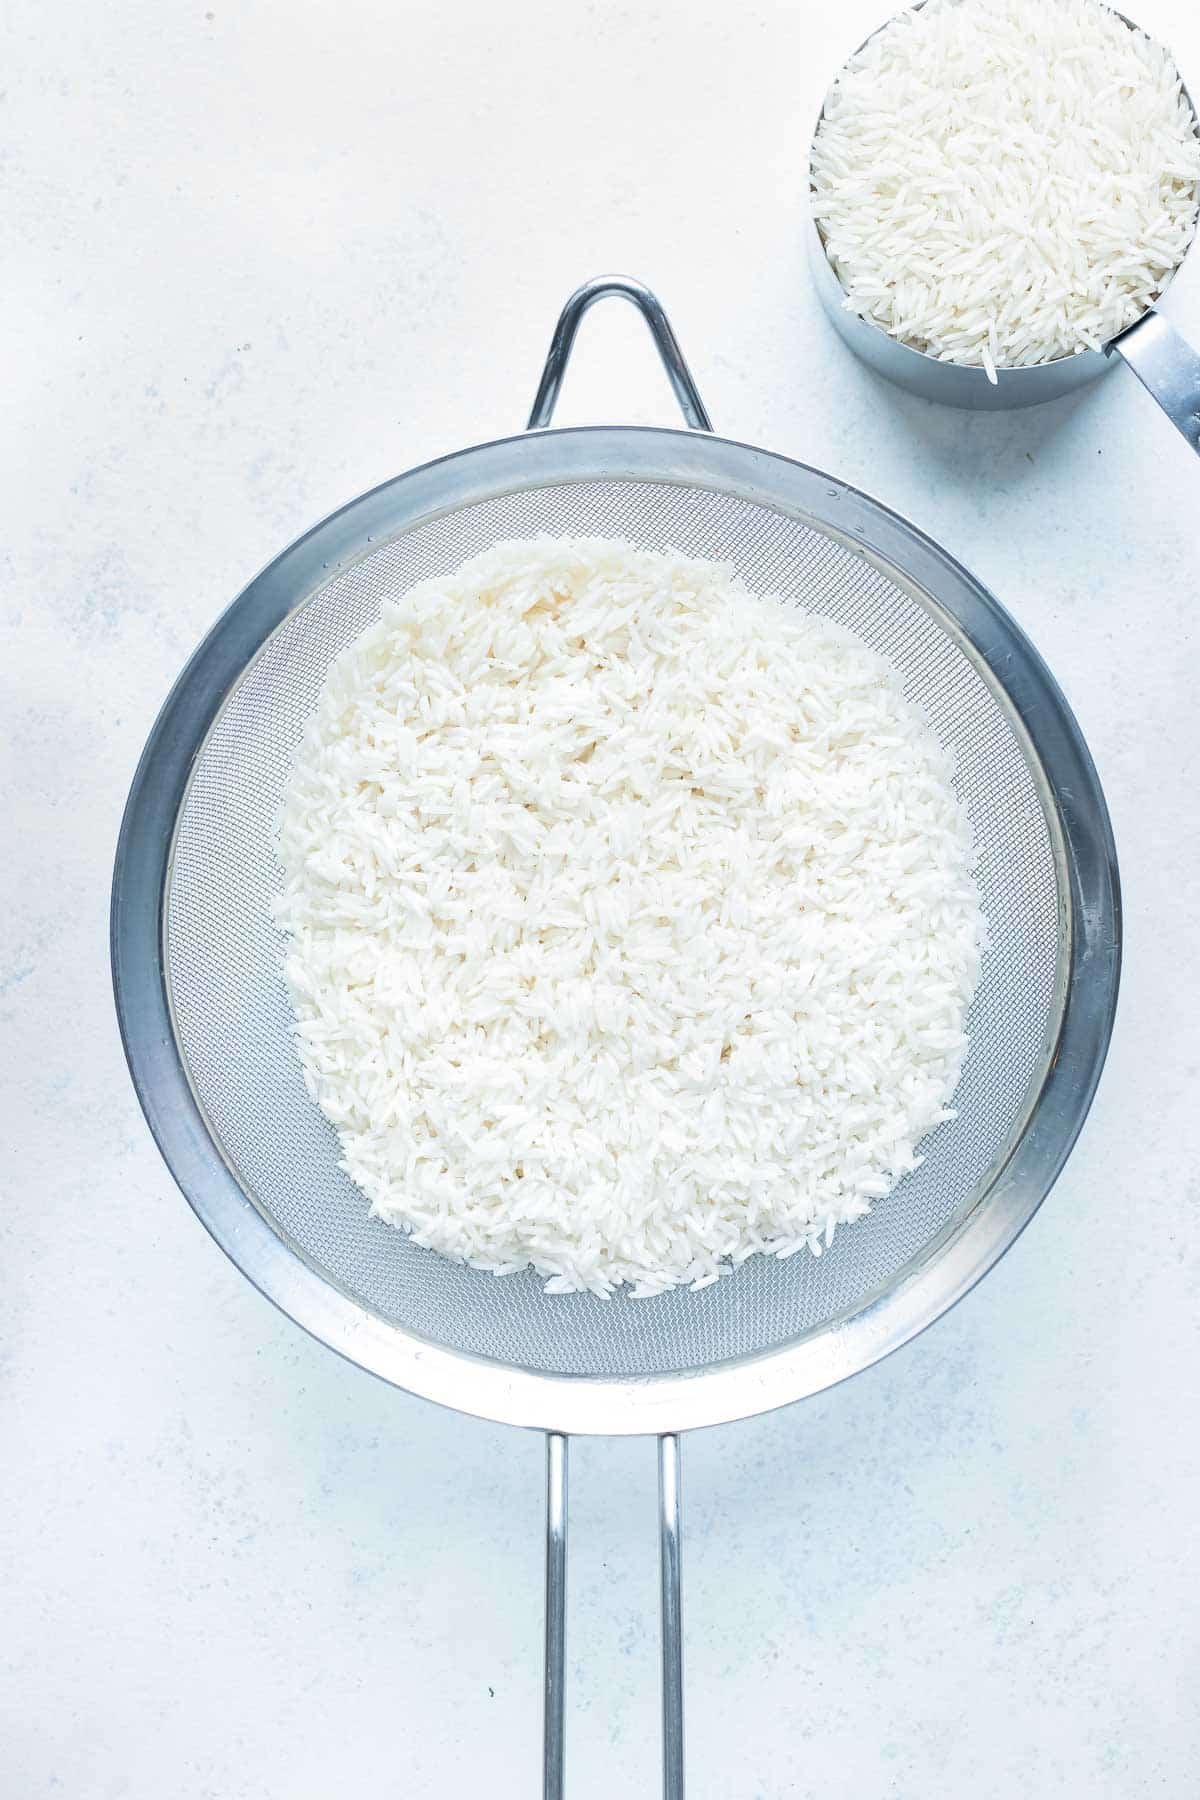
x,y
631,919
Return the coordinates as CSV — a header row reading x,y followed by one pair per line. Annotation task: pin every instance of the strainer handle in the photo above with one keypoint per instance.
x,y
556,1614
667,344
1168,368
670,1547
670,1553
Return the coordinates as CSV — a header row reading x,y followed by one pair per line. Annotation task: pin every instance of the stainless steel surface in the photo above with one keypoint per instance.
x,y
670,1556
624,287
556,1616
963,385
208,1029
1168,368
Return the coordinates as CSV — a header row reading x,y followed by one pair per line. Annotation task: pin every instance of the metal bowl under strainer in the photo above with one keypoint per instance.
x,y
208,1028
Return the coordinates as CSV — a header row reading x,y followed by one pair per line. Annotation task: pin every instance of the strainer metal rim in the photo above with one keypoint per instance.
x,y
726,1391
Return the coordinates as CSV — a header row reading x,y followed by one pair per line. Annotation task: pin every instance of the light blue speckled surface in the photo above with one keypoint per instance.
x,y
258,257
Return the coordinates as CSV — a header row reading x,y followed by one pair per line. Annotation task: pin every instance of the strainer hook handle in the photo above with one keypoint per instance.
x,y
670,1547
601,287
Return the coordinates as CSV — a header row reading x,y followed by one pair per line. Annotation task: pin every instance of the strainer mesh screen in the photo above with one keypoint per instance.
x,y
234,1022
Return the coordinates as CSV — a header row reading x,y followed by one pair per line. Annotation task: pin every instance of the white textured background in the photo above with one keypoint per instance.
x,y
258,257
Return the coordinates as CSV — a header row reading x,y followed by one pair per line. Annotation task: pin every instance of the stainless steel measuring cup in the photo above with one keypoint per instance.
x,y
1159,356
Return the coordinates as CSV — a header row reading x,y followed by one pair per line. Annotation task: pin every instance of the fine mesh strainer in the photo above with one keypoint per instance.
x,y
208,1029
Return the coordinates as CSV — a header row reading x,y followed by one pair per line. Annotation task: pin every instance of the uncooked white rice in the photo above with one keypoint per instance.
x,y
1004,182
632,924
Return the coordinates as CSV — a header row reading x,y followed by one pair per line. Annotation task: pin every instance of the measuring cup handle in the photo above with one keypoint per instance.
x,y
670,1545
650,307
1168,368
